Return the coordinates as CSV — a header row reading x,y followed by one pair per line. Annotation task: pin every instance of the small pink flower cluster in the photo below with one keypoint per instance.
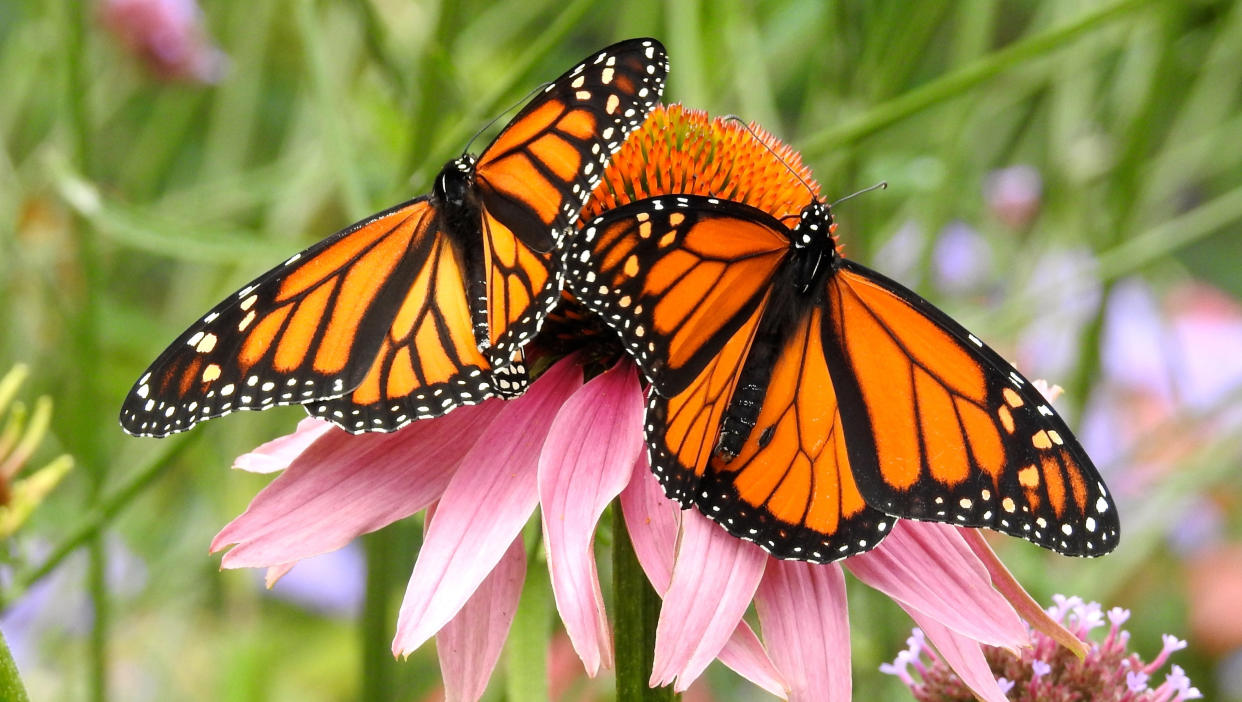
x,y
168,36
1048,672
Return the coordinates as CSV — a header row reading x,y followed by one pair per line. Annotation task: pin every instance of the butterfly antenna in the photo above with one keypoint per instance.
x,y
506,111
764,144
882,185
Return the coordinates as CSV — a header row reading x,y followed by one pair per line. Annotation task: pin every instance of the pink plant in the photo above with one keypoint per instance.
x,y
168,35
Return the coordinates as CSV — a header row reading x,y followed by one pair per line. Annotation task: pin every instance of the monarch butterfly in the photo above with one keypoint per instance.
x,y
804,401
423,307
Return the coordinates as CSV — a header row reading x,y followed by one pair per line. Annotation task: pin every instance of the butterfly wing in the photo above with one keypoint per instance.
x,y
790,487
428,362
686,282
532,181
940,427
677,277
305,330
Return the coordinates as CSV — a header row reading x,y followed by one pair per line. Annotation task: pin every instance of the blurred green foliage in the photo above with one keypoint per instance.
x,y
130,204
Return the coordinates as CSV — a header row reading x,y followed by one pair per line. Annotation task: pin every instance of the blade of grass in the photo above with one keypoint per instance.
x,y
519,70
965,78
329,108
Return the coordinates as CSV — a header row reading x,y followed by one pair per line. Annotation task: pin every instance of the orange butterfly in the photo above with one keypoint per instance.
x,y
804,402
423,307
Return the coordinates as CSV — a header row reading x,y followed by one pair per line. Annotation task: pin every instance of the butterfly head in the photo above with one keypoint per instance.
x,y
814,247
453,184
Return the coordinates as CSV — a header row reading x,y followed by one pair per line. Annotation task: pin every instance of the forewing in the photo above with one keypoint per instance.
x,y
535,177
428,362
677,277
941,428
306,330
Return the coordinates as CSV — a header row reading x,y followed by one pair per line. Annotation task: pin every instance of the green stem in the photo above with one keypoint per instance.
x,y
87,442
963,79
378,681
11,687
99,516
637,613
526,651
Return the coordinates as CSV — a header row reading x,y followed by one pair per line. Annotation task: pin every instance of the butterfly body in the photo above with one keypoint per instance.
x,y
426,306
805,402
797,286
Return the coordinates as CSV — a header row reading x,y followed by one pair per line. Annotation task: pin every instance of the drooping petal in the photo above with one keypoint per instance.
x,y
652,521
714,580
332,583
928,567
275,573
963,654
342,486
278,453
806,626
1025,605
586,461
484,507
469,645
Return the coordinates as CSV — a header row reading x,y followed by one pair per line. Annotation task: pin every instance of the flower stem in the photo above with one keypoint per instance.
x,y
11,687
377,668
637,612
85,439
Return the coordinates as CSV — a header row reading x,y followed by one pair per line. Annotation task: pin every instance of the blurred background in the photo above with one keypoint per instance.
x,y
1065,178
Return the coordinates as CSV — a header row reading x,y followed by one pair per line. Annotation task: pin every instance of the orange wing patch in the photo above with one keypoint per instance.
x,y
676,297
533,180
296,334
790,488
515,275
941,428
691,418
429,361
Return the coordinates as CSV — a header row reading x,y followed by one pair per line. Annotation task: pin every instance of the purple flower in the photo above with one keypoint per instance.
x,y
1045,670
962,258
1014,194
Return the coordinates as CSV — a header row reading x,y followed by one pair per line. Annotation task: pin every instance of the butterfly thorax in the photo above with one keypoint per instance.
x,y
454,193
813,254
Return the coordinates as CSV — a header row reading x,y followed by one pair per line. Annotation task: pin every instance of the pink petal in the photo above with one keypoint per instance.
x,y
278,453
806,626
470,644
714,580
483,509
275,573
652,521
586,461
963,654
342,486
1022,602
927,567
